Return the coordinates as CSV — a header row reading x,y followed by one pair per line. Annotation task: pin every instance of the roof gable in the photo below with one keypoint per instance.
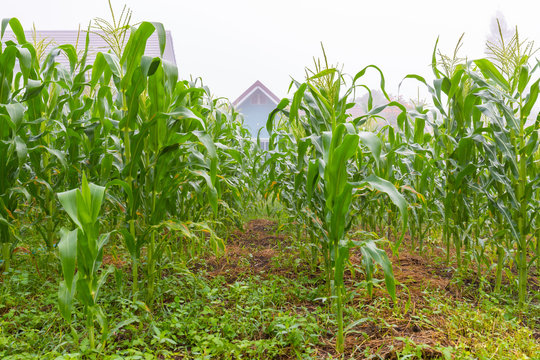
x,y
257,86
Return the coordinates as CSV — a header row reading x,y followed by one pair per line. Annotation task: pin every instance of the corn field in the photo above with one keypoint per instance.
x,y
121,151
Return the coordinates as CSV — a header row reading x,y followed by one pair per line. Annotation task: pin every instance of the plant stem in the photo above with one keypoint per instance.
x,y
91,336
522,219
498,277
6,255
340,344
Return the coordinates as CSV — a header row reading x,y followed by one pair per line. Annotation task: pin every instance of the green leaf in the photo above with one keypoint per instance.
x,y
102,279
372,253
436,71
134,50
84,292
16,27
33,89
58,154
523,78
131,244
322,73
84,205
97,193
389,189
162,36
25,57
531,100
212,192
208,143
65,299
382,83
67,248
490,72
68,200
124,185
339,270
185,113
297,99
373,143
20,149
280,107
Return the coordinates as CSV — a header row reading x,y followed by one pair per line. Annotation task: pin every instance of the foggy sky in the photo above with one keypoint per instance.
x,y
230,44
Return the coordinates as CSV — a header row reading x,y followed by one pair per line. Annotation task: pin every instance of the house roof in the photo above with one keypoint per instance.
x,y
97,44
257,85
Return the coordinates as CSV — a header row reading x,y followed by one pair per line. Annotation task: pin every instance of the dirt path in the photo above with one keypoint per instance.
x,y
252,251
258,249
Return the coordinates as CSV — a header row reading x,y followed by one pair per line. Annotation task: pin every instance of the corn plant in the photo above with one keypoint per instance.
x,y
322,159
169,162
458,150
13,135
484,145
57,160
14,152
517,142
81,254
171,156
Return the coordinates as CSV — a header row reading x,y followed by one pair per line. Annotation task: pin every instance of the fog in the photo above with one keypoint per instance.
x,y
230,44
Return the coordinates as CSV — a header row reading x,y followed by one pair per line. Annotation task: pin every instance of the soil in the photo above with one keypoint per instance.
x,y
251,252
116,261
254,251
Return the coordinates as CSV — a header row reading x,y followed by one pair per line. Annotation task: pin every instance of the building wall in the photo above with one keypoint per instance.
x,y
256,109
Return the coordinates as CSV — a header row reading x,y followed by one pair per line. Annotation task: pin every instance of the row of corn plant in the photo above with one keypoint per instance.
x,y
323,164
467,165
481,156
163,158
168,163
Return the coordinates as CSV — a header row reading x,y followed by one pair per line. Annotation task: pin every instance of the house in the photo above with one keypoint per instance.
x,y
256,103
48,39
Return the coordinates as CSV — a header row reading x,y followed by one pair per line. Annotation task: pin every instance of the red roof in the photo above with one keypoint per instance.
x,y
256,85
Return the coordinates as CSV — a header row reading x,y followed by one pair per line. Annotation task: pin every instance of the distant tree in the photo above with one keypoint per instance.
x,y
389,114
500,34
505,48
377,98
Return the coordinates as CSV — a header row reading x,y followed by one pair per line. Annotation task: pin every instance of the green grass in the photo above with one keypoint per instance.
x,y
278,314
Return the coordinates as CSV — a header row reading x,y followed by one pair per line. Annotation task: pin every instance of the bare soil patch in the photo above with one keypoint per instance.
x,y
257,250
253,251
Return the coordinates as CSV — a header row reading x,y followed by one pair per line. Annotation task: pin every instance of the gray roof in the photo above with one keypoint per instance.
x,y
97,44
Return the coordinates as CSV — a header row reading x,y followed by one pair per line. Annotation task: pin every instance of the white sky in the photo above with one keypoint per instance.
x,y
232,43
